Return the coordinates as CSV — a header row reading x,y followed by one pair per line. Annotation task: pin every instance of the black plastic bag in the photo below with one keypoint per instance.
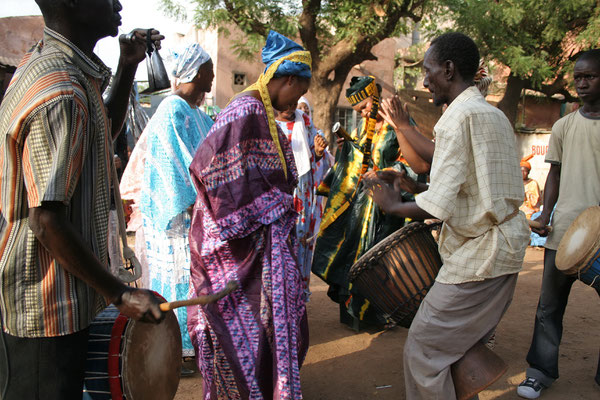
x,y
158,79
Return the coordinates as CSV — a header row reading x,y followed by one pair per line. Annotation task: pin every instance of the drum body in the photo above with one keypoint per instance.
x,y
132,360
396,274
579,250
590,272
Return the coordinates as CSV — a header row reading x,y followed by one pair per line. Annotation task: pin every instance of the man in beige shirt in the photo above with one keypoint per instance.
x,y
572,185
476,189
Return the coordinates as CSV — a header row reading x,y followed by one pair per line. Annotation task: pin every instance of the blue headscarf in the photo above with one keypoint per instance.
x,y
278,46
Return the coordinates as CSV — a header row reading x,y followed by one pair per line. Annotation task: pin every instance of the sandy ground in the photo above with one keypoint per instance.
x,y
343,364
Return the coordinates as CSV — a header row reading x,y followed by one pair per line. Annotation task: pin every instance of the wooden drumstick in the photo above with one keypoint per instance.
x,y
211,298
537,225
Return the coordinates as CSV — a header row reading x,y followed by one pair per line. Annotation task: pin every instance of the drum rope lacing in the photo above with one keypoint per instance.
x,y
378,252
370,259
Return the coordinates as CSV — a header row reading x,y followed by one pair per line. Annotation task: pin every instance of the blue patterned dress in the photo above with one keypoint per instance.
x,y
174,133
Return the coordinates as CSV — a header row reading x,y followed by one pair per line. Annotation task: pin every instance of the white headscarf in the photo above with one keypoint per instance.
x,y
305,101
188,62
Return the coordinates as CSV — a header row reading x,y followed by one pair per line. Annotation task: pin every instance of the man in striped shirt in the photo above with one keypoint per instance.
x,y
54,199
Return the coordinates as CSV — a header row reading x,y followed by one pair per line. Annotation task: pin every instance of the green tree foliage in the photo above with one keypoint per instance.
x,y
339,34
537,39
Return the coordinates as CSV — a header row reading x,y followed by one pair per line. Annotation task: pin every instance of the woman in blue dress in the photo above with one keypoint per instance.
x,y
174,133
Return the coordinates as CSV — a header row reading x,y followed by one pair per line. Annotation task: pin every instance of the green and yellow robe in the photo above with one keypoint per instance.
x,y
352,223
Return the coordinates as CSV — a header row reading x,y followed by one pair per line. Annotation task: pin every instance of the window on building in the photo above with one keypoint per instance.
x,y
239,79
345,117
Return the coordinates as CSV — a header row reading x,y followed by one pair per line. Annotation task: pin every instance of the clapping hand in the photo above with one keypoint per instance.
x,y
395,113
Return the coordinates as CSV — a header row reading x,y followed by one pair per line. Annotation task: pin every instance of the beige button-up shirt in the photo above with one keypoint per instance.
x,y
476,188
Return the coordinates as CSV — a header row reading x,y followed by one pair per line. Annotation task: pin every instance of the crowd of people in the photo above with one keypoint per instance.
x,y
256,196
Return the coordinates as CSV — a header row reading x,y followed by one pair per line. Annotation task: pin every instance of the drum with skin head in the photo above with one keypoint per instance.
x,y
579,250
132,360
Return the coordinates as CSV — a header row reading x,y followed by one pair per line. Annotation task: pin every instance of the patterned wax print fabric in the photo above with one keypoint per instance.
x,y
251,343
306,202
174,133
531,204
352,223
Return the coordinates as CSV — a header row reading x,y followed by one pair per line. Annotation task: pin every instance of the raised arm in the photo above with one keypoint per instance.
x,y
416,148
133,50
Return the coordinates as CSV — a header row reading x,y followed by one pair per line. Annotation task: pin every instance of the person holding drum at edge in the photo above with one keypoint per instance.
x,y
476,190
573,186
55,199
251,344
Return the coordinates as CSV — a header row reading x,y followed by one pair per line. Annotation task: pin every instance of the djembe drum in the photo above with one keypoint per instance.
x,y
396,274
578,253
132,360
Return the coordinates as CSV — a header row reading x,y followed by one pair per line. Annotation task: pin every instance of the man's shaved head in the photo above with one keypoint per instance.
x,y
82,19
50,8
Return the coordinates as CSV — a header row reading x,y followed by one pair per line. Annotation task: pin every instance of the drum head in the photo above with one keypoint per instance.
x,y
580,241
152,360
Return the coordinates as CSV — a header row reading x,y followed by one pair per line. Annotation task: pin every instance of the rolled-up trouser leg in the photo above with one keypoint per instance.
x,y
451,319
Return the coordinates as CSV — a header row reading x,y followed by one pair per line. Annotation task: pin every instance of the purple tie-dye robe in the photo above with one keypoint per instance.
x,y
250,344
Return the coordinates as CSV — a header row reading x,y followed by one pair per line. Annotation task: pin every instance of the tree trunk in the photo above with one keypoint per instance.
x,y
510,102
325,94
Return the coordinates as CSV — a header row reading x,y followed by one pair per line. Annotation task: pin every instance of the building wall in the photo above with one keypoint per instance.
x,y
382,68
229,64
536,144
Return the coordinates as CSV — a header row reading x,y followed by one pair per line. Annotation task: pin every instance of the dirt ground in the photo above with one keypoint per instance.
x,y
343,364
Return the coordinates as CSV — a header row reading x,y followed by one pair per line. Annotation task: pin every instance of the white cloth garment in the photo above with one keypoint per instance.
x,y
300,145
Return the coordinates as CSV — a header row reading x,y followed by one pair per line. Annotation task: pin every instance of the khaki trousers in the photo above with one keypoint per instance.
x,y
451,319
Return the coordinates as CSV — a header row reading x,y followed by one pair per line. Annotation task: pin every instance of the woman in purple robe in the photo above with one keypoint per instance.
x,y
250,344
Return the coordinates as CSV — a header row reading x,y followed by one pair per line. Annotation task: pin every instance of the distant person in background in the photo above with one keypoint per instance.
x,y
304,106
174,133
131,191
312,163
482,79
532,201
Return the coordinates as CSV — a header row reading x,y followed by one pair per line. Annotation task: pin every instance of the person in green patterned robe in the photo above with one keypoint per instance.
x,y
352,223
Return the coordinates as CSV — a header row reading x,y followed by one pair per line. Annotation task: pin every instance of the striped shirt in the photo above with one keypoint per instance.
x,y
55,147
